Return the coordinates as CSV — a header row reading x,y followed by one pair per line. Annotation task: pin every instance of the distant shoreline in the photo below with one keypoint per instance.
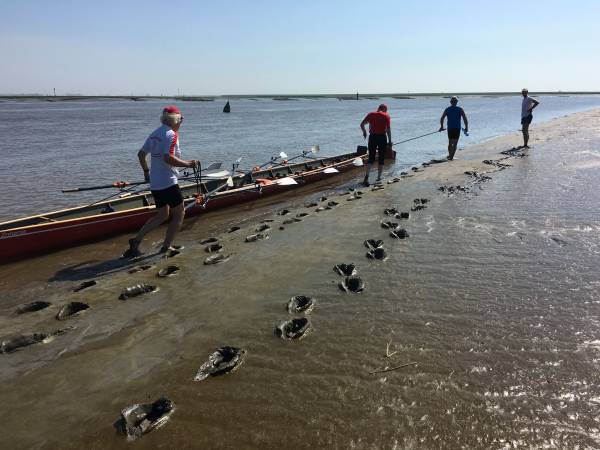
x,y
208,98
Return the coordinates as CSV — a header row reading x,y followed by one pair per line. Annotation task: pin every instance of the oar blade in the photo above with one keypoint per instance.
x,y
315,149
230,182
282,155
358,162
287,181
331,170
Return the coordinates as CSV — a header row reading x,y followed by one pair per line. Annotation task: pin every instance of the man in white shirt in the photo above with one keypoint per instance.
x,y
527,107
163,147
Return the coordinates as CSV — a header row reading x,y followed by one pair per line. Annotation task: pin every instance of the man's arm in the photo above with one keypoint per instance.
x,y
389,132
178,162
535,103
362,126
442,121
464,117
142,157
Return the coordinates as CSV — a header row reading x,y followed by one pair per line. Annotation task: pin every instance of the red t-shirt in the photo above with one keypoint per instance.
x,y
379,122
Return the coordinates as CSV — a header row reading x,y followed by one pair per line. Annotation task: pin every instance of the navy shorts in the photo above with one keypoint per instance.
x,y
453,133
170,196
527,119
377,144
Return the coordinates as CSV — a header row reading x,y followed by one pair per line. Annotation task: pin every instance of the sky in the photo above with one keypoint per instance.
x,y
268,47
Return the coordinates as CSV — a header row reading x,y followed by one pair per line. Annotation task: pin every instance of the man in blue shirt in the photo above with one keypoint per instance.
x,y
454,114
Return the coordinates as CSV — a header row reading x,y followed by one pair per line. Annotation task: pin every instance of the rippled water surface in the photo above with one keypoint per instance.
x,y
47,146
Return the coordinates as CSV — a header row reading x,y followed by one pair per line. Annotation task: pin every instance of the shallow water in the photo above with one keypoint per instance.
x,y
493,295
48,146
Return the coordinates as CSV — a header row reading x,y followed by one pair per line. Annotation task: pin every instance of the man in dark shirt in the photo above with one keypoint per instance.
x,y
454,114
380,136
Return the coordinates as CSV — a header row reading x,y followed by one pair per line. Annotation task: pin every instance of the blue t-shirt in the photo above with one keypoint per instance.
x,y
454,114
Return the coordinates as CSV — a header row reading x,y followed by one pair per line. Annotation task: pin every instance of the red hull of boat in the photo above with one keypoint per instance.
x,y
44,238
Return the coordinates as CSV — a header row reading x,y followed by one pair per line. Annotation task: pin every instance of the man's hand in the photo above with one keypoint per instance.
x,y
193,163
147,176
364,134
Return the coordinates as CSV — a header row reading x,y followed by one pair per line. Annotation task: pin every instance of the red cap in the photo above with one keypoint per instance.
x,y
382,107
171,109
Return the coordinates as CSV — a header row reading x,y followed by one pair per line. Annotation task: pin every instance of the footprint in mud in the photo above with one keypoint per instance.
x,y
71,309
216,259
31,307
345,270
85,285
320,208
399,233
212,248
352,284
300,304
377,253
283,212
291,220
168,271
322,199
302,214
256,237
223,360
139,419
293,329
25,340
137,290
140,268
311,205
210,240
233,229
372,244
558,241
402,215
332,204
390,211
393,180
263,227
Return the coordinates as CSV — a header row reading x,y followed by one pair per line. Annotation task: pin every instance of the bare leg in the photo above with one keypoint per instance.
x,y
162,214
379,172
452,144
366,181
525,135
177,215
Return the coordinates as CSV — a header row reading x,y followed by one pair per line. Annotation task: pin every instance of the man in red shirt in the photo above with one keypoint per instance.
x,y
380,136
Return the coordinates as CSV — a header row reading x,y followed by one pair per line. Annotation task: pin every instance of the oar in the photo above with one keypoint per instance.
x,y
314,149
123,184
417,137
202,200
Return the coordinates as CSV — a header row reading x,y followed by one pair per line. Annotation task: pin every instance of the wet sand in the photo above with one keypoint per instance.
x,y
493,295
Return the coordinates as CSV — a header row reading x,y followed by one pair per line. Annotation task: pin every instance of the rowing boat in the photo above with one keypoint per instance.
x,y
44,233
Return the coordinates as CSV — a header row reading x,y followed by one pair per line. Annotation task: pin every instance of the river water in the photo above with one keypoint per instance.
x,y
47,146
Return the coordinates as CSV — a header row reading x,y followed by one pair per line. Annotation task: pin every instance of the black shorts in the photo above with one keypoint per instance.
x,y
170,196
377,143
527,119
453,133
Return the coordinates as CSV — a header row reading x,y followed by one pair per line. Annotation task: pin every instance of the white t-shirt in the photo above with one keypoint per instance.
x,y
527,103
163,141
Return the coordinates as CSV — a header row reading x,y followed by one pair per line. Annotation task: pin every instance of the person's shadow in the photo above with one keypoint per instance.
x,y
93,268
